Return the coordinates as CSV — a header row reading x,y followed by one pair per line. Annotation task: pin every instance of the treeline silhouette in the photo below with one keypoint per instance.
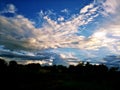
x,y
84,76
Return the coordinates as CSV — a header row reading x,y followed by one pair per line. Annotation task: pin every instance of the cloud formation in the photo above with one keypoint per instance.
x,y
41,57
86,8
19,33
65,10
10,8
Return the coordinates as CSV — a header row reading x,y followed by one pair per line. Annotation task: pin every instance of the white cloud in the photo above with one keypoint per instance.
x,y
15,31
20,32
43,62
108,37
110,6
107,7
61,19
10,8
68,56
86,8
46,13
65,11
41,13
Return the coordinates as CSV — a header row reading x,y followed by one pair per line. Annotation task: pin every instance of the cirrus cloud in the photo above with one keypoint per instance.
x,y
19,32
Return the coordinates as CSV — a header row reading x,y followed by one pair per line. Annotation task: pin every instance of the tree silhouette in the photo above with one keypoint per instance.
x,y
3,65
13,64
83,76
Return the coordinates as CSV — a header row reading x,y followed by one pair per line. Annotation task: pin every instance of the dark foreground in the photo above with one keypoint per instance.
x,y
36,77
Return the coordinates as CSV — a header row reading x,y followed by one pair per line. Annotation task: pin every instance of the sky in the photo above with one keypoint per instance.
x,y
61,32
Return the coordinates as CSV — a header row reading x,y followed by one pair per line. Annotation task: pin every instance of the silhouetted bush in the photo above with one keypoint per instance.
x,y
32,67
3,65
84,76
13,64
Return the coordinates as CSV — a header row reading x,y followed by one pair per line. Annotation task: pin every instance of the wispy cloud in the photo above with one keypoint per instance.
x,y
105,37
107,7
19,32
41,57
86,8
61,19
10,8
111,6
65,11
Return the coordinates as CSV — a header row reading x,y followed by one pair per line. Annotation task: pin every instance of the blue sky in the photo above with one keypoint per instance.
x,y
73,31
